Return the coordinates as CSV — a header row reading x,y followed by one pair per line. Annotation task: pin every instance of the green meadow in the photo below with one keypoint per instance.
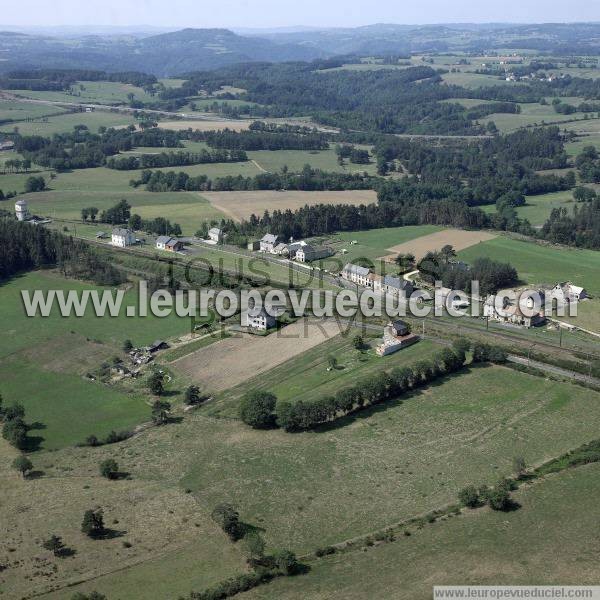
x,y
537,264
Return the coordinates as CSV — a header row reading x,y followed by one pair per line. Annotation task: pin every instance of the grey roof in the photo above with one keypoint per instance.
x,y
20,203
215,231
357,270
269,238
121,231
399,324
163,239
396,282
173,242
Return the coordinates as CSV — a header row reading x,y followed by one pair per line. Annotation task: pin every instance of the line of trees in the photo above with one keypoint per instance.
x,y
308,179
175,159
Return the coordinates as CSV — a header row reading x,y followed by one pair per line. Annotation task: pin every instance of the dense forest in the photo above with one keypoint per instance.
x,y
26,247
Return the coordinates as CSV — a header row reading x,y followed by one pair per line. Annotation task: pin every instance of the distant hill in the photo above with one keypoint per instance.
x,y
204,49
164,54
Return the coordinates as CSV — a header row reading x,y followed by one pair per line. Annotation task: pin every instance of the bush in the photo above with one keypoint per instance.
x,y
469,496
109,468
93,523
229,520
257,409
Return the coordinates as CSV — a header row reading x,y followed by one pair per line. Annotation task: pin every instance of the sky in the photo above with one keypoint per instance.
x,y
285,13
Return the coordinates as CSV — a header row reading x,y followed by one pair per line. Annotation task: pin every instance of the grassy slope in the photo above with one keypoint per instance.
x,y
542,264
483,548
43,361
387,463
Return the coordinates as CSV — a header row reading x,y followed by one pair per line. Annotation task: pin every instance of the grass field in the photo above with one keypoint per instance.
x,y
537,264
43,362
482,548
92,92
387,463
16,110
66,122
538,208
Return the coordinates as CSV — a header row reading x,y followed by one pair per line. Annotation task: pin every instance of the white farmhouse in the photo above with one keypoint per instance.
x,y
357,274
258,318
268,242
162,241
122,237
215,234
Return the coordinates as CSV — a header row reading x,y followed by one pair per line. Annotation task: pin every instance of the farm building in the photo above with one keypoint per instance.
x,y
157,345
281,250
512,313
293,247
7,145
309,253
397,286
254,245
165,242
396,335
101,235
215,234
122,237
258,319
567,292
268,242
356,274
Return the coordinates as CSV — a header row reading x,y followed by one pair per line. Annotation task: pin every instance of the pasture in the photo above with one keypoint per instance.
x,y
241,205
43,361
478,548
542,264
206,124
47,126
18,110
538,208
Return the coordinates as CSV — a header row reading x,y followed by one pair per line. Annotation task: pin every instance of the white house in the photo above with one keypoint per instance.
x,y
512,313
258,319
397,286
308,253
122,237
268,242
356,274
162,241
567,292
293,247
215,234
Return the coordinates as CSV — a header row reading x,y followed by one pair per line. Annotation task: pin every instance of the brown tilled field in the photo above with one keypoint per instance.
x,y
457,238
207,125
240,205
234,360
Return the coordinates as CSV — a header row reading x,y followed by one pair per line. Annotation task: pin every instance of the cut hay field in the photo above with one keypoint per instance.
x,y
207,124
229,362
459,239
240,205
537,264
481,548
43,362
538,208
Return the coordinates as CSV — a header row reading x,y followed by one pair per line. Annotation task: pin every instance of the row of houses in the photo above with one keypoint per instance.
x,y
299,251
387,284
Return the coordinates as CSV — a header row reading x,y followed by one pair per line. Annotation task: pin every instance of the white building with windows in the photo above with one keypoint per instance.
x,y
268,242
258,319
215,234
122,237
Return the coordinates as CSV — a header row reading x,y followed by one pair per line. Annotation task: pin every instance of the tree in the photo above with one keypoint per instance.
x,y
14,411
35,184
156,383
192,395
286,562
85,213
499,498
160,412
332,361
22,464
469,496
358,342
15,433
127,346
93,523
229,520
405,261
257,409
109,468
93,212
55,544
